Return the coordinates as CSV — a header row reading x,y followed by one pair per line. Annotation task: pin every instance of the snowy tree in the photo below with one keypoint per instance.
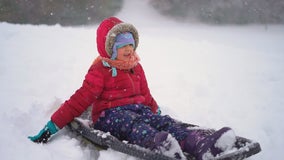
x,y
64,12
223,11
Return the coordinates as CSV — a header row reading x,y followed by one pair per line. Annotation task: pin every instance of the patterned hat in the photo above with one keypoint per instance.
x,y
121,40
107,32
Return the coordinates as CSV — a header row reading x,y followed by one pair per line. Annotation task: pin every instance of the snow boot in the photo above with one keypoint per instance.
x,y
166,144
206,146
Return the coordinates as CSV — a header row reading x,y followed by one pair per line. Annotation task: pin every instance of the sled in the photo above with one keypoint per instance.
x,y
83,127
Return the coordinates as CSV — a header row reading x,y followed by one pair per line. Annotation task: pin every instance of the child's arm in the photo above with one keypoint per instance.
x,y
81,99
75,106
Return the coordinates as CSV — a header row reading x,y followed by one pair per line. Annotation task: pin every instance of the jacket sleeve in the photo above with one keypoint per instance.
x,y
81,99
149,100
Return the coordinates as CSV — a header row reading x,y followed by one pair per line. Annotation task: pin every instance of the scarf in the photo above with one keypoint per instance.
x,y
118,64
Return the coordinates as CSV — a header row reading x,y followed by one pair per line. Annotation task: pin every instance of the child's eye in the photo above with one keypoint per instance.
x,y
129,45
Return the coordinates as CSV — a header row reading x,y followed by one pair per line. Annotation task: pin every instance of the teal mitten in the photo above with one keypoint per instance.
x,y
42,137
159,112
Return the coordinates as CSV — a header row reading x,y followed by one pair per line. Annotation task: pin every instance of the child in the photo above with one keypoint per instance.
x,y
116,87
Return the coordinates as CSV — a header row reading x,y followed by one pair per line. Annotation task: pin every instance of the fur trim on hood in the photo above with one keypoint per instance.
x,y
117,29
107,32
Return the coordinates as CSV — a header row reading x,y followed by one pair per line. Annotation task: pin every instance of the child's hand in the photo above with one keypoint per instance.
x,y
43,136
159,112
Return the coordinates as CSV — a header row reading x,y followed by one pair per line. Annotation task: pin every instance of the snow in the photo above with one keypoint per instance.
x,y
213,76
170,147
226,141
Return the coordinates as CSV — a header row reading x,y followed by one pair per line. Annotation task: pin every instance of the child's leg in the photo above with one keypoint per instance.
x,y
205,146
164,123
138,125
117,121
127,123
196,142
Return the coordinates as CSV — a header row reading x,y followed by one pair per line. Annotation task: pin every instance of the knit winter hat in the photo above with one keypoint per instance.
x,y
121,40
107,33
116,30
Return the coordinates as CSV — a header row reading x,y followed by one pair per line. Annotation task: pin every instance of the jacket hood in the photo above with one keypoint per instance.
x,y
107,32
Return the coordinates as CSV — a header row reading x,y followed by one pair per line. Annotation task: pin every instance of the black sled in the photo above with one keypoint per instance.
x,y
243,147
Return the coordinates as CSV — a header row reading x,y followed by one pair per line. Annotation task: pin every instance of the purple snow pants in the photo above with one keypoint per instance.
x,y
137,124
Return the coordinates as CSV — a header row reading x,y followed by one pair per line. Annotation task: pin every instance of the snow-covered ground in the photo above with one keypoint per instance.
x,y
208,75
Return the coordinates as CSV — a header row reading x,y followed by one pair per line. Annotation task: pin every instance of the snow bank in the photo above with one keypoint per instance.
x,y
208,75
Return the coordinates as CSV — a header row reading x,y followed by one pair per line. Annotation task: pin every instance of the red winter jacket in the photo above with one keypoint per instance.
x,y
104,91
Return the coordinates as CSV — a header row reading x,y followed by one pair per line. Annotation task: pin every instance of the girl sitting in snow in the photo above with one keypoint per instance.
x,y
116,87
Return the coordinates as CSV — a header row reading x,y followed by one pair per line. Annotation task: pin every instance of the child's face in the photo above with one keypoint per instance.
x,y
125,53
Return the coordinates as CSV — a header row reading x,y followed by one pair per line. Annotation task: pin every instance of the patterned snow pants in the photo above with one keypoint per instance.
x,y
137,124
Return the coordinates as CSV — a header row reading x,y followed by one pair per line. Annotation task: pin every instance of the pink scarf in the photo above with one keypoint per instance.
x,y
119,64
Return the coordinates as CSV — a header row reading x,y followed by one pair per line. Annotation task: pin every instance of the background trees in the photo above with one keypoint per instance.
x,y
64,12
223,11
82,12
